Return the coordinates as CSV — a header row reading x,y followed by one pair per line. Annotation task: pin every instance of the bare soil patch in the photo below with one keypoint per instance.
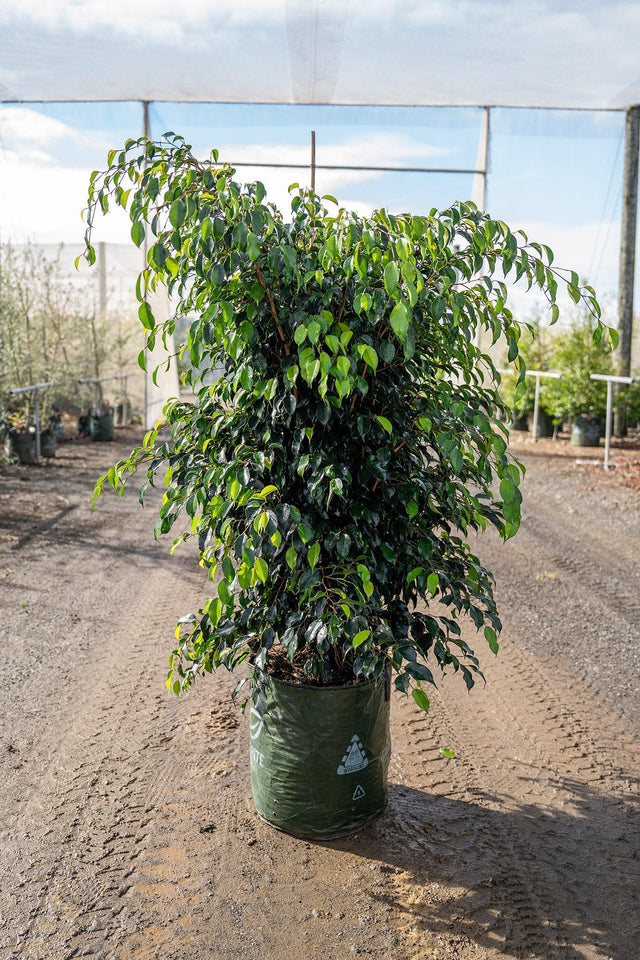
x,y
128,830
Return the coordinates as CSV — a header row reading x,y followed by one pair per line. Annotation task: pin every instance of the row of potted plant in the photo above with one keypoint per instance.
x,y
574,351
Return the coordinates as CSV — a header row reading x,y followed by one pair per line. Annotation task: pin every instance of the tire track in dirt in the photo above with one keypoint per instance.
x,y
529,847
94,787
575,813
484,895
127,819
525,845
570,583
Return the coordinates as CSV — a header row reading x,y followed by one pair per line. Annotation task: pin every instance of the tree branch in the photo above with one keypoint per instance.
x,y
272,305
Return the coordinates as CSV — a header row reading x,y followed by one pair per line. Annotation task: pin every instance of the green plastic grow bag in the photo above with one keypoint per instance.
x,y
320,756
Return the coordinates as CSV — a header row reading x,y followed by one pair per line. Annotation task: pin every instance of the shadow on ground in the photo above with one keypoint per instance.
x,y
523,880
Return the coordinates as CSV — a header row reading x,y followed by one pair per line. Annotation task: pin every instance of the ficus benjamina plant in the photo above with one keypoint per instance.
x,y
351,446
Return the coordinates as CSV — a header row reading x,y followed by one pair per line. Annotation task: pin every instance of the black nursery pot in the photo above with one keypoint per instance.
x,y
48,443
22,446
519,421
102,427
586,431
320,756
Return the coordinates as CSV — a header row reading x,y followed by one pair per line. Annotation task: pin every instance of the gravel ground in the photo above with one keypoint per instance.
x,y
128,830
569,582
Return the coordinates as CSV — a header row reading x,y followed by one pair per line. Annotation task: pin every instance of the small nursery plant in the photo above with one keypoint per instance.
x,y
578,351
336,471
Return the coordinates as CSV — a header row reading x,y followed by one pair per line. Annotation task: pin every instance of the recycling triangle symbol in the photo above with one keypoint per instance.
x,y
355,758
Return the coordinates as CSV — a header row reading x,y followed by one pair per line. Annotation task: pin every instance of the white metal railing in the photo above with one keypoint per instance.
x,y
610,380
536,401
35,388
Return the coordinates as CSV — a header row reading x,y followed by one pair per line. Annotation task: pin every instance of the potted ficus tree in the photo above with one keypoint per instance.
x,y
335,470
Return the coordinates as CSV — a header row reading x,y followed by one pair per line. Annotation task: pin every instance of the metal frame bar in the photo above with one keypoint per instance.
x,y
288,103
536,400
123,377
338,166
610,380
35,389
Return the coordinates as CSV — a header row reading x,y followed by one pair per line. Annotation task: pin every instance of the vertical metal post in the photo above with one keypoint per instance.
x,y
102,278
610,380
479,186
146,124
313,160
146,132
536,406
627,253
607,429
36,405
124,400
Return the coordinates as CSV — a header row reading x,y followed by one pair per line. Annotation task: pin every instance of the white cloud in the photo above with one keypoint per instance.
x,y
23,126
161,19
25,135
46,207
374,149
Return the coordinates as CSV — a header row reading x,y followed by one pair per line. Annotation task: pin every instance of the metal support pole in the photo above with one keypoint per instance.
x,y
146,123
313,160
35,388
607,432
146,132
610,382
627,252
479,186
36,406
536,406
102,277
124,400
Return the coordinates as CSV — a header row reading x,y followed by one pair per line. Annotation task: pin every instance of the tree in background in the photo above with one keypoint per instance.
x,y
577,351
536,349
52,329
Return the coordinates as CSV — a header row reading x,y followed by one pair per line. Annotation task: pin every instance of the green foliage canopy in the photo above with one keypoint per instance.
x,y
335,471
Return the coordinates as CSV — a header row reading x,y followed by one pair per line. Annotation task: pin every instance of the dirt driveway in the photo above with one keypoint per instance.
x,y
127,826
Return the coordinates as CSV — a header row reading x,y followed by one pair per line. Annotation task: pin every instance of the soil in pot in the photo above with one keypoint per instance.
x,y
320,755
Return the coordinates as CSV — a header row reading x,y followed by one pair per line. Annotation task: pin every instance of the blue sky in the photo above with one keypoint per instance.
x,y
557,174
